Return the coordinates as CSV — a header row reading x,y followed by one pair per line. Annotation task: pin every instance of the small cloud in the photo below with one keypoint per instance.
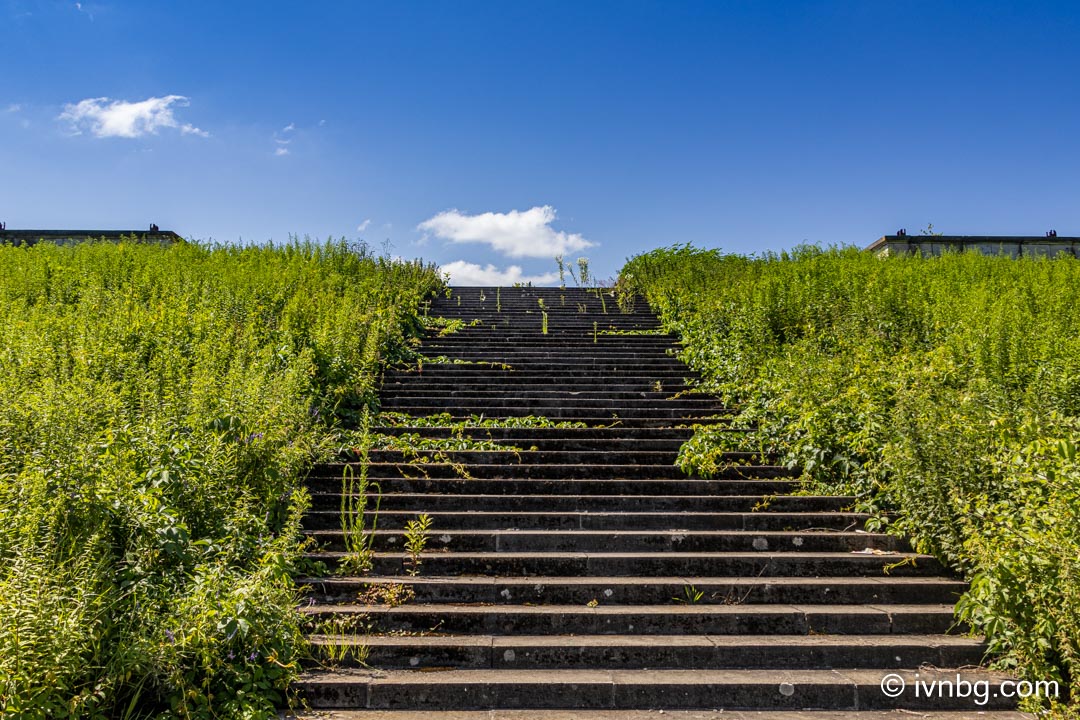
x,y
103,117
278,152
467,273
516,234
13,108
363,226
322,123
289,128
80,8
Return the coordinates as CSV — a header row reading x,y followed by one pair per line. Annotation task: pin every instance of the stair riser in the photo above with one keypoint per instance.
x,y
742,657
333,483
579,696
527,436
631,623
587,503
526,456
564,445
688,564
469,519
497,591
525,542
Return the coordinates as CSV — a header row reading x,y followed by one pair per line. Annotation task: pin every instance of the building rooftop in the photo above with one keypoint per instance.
x,y
1012,245
21,236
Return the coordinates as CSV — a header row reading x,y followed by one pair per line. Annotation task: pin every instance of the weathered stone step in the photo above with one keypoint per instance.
x,y
594,421
329,483
487,338
654,714
644,564
597,688
578,412
657,590
524,360
551,471
421,379
553,444
553,392
530,324
690,652
526,456
595,503
556,405
673,541
651,518
527,436
669,619
480,374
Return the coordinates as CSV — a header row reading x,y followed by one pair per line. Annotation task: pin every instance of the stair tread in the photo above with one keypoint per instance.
x,y
706,640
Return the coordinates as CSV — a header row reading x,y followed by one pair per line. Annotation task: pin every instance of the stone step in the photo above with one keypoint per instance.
x,y
580,412
690,652
624,541
526,456
663,504
620,471
550,444
660,714
602,371
657,590
528,436
579,689
552,392
524,360
555,405
477,337
645,564
329,483
604,520
509,387
597,422
669,619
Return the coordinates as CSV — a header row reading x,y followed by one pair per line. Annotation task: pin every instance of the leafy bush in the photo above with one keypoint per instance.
x,y
943,392
158,409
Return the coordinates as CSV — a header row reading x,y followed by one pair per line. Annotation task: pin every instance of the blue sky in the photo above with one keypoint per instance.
x,y
478,134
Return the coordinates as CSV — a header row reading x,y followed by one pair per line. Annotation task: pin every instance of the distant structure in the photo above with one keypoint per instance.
x,y
70,237
1012,245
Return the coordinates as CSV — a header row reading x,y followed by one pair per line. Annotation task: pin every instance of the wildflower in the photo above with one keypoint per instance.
x,y
169,634
252,656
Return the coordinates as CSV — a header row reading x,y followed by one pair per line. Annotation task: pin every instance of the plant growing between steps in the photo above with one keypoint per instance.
x,y
544,320
330,643
691,595
416,538
359,539
389,594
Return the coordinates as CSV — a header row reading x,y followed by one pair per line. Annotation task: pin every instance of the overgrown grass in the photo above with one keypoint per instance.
x,y
158,410
943,392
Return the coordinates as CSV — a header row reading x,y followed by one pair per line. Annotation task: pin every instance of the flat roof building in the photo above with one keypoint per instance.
x,y
1012,245
68,237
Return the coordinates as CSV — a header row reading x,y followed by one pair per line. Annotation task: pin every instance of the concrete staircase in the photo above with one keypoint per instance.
x,y
583,576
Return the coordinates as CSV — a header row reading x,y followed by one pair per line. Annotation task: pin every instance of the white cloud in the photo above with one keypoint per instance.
x,y
103,117
516,234
467,273
13,108
281,151
289,128
363,226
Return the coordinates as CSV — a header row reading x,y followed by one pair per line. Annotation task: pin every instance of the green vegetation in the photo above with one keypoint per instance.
x,y
158,410
943,392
